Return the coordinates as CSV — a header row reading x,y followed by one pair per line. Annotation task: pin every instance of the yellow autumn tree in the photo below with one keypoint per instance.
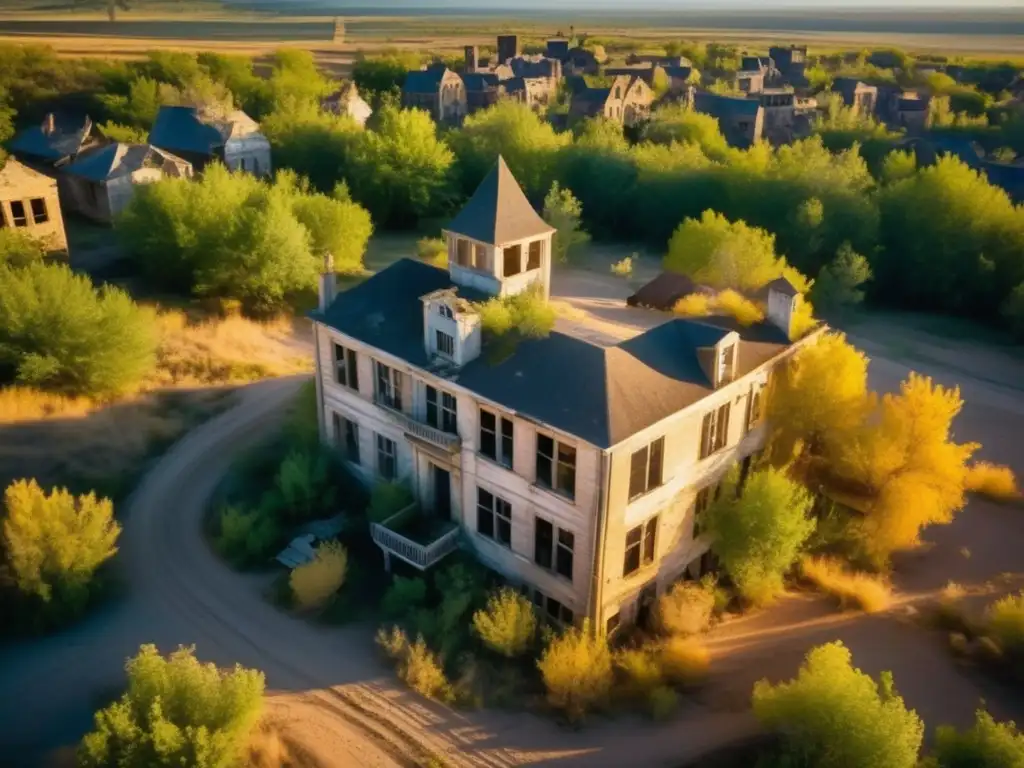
x,y
56,541
903,456
820,396
315,582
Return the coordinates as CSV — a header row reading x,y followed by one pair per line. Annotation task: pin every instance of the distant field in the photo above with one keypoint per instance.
x,y
90,34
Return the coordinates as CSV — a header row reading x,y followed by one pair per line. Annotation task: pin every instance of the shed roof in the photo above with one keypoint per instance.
x,y
498,212
424,81
69,133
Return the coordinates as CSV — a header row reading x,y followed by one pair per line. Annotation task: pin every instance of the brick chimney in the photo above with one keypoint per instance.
x,y
328,283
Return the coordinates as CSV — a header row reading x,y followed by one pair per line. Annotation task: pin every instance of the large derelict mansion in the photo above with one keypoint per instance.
x,y
576,465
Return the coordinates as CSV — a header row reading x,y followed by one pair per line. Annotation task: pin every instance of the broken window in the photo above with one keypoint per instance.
x,y
480,257
714,434
493,517
494,444
445,344
462,248
346,437
556,465
640,546
513,260
551,552
442,411
387,458
388,386
39,214
645,472
18,213
345,371
534,256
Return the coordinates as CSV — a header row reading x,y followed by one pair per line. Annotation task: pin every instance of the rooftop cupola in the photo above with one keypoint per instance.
x,y
498,243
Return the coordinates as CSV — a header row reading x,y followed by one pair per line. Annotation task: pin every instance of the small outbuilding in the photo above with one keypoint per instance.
x,y
29,203
201,136
101,182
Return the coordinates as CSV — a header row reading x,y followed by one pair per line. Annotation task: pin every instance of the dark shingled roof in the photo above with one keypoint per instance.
x,y
663,291
782,285
721,106
181,129
69,134
479,81
117,159
603,394
498,212
423,81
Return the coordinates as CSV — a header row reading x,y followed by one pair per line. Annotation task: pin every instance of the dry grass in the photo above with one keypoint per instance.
x,y
992,480
869,593
232,350
21,404
85,443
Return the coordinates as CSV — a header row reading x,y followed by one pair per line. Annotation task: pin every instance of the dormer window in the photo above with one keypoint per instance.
x,y
445,344
445,311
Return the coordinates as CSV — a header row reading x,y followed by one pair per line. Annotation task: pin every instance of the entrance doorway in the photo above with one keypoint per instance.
x,y
442,493
645,603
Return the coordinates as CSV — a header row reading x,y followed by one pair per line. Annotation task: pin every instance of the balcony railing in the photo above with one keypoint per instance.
x,y
438,437
421,555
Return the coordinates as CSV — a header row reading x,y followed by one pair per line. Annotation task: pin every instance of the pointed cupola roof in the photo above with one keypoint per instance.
x,y
498,212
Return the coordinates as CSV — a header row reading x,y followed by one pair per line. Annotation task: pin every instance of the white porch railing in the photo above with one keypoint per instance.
x,y
445,440
421,556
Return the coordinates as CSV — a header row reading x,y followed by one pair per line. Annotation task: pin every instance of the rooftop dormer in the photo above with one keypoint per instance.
x,y
720,361
498,243
451,328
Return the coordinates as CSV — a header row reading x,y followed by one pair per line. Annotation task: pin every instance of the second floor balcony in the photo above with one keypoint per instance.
x,y
448,441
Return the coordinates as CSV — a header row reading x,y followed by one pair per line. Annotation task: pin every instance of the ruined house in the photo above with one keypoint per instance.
x,y
437,90
658,59
29,203
857,95
627,100
903,109
200,136
791,62
347,101
483,89
582,61
55,141
575,466
741,120
102,181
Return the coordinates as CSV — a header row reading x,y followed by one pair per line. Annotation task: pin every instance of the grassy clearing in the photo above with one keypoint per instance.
x,y
92,445
994,481
865,591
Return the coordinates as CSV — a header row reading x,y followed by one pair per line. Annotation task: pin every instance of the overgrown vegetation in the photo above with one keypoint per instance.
x,y
992,480
176,711
508,624
54,543
314,583
866,591
987,744
231,235
759,530
577,671
835,716
523,315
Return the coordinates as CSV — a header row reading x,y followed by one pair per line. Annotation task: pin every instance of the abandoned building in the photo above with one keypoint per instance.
x,y
29,203
200,136
627,100
659,60
102,181
55,141
558,48
576,465
508,48
532,80
791,62
749,81
899,108
857,95
582,61
483,89
439,91
652,74
347,101
783,120
740,119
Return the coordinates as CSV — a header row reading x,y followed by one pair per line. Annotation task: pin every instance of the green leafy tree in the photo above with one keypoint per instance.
x,y
248,538
508,624
304,483
385,72
577,670
58,332
725,254
987,744
177,711
511,129
295,81
759,532
124,133
54,542
681,124
1013,310
335,225
839,284
564,212
951,242
316,145
898,165
18,249
6,119
402,171
236,73
835,716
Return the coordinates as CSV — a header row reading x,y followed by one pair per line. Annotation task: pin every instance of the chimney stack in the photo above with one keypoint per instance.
x,y
328,283
49,124
782,301
472,58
